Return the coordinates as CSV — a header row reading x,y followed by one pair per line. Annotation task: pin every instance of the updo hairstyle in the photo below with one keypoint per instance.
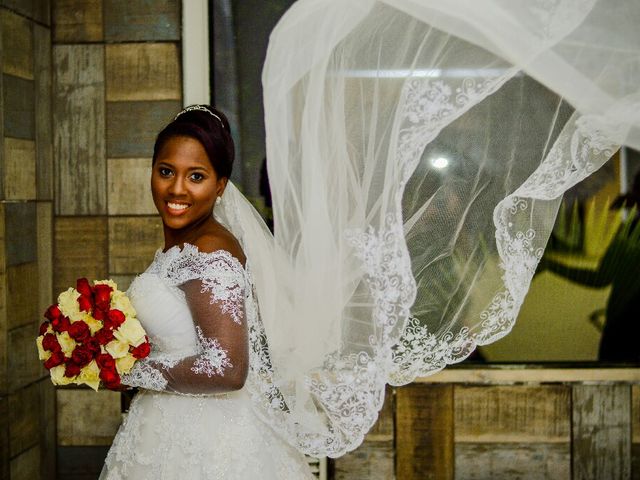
x,y
211,131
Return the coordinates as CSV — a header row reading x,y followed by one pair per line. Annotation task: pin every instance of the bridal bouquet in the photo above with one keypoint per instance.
x,y
91,335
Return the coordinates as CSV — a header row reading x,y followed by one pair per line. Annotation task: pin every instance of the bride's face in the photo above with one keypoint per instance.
x,y
184,184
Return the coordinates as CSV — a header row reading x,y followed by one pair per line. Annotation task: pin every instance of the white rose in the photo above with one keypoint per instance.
x,y
131,332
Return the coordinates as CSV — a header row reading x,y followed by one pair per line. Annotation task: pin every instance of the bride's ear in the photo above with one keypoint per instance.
x,y
221,185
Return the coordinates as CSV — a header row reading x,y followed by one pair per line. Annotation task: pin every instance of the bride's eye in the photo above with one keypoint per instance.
x,y
164,171
197,177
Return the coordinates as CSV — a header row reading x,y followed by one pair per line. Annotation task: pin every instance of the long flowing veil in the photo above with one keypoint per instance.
x,y
418,151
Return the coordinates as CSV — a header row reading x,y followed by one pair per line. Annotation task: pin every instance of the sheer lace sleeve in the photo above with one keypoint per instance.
x,y
214,286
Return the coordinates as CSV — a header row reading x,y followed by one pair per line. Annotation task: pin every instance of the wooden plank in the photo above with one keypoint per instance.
x,y
3,318
76,463
47,430
24,367
4,438
123,281
37,10
99,421
383,429
133,242
23,424
19,169
76,21
635,461
43,118
502,414
424,432
45,255
26,466
132,127
18,98
529,374
21,233
601,431
17,45
134,20
373,460
80,250
128,187
79,136
635,414
143,71
22,288
495,461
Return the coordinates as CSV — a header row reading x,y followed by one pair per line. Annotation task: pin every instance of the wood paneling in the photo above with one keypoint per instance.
x,y
99,421
26,466
129,192
77,21
635,413
80,250
17,45
4,437
517,414
43,130
123,281
424,432
34,9
21,233
3,319
127,20
24,426
601,431
133,242
22,300
47,430
508,461
24,367
19,169
373,460
45,255
79,137
18,98
132,127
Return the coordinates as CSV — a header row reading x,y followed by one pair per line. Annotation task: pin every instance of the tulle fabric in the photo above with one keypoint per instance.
x,y
417,154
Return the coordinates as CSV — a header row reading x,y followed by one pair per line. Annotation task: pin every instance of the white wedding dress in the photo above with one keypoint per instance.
x,y
174,429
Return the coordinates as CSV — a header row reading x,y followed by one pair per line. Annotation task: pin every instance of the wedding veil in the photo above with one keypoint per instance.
x,y
417,153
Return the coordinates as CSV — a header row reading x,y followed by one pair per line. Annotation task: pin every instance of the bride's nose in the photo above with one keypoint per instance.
x,y
177,186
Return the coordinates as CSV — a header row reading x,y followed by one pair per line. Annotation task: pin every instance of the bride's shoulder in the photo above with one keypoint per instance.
x,y
221,240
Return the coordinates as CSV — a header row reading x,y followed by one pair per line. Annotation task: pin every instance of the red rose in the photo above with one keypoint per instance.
x,y
55,359
43,328
60,324
99,314
53,312
81,355
79,331
141,350
102,296
85,303
104,336
110,378
50,343
71,369
93,345
83,286
106,361
114,319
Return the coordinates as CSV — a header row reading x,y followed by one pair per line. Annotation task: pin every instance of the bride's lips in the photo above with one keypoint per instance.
x,y
177,208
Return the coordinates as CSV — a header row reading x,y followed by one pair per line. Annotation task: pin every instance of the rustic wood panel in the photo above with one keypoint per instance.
x,y
635,461
43,127
18,98
373,460
133,242
77,21
635,413
22,287
513,461
601,431
35,9
79,136
47,430
24,426
80,250
133,20
535,375
21,233
17,45
100,419
132,127
128,191
424,432
45,255
19,169
520,414
23,364
26,466
123,281
80,463
4,437
3,325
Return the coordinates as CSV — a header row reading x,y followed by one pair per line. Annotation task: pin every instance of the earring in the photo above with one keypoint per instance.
x,y
218,200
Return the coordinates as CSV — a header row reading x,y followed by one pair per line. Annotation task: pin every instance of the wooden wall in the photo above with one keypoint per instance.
x,y
27,398
116,83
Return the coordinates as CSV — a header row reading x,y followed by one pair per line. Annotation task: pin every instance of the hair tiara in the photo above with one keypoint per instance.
x,y
201,108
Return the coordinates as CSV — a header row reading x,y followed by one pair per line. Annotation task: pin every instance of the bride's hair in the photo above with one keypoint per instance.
x,y
208,126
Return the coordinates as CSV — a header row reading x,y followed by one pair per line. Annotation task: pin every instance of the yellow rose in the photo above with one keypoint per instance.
x,y
125,364
120,301
131,332
68,303
109,282
94,325
90,375
67,343
58,378
42,353
117,349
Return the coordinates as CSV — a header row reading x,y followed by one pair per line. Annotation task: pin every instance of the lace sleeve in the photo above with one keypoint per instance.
x,y
214,286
